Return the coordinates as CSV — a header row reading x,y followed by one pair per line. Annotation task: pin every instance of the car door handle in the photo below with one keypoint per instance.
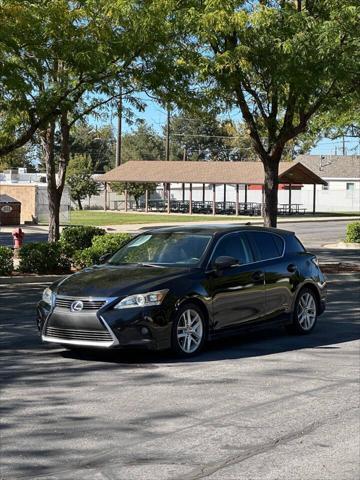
x,y
291,268
256,276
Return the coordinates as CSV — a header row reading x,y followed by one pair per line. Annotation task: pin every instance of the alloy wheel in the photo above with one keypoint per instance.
x,y
306,311
190,331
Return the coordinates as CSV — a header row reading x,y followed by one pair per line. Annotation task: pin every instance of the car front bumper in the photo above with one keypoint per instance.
x,y
106,328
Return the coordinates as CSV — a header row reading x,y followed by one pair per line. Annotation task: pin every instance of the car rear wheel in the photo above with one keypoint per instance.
x,y
189,331
305,312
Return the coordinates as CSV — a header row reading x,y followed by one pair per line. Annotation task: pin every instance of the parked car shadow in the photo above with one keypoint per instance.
x,y
340,323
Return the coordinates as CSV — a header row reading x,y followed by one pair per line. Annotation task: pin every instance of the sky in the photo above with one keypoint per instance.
x,y
155,116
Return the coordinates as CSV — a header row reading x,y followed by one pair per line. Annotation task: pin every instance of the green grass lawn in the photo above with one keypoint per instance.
x,y
98,217
92,217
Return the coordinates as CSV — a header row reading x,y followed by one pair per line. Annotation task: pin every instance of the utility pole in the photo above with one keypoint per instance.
x,y
119,132
167,144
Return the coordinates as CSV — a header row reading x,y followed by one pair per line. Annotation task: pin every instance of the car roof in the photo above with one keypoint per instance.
x,y
212,229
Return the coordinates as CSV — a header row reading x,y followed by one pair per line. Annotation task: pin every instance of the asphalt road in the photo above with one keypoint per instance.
x,y
312,234
265,406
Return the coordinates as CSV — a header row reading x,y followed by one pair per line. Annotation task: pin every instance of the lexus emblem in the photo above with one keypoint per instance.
x,y
77,306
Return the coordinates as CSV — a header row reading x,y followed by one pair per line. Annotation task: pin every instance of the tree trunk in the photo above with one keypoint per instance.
x,y
271,193
54,215
47,141
55,180
79,203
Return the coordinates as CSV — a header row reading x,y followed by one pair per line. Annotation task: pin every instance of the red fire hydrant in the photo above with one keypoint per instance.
x,y
18,236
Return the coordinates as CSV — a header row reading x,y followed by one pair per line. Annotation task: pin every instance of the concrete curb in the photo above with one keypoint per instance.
x,y
342,246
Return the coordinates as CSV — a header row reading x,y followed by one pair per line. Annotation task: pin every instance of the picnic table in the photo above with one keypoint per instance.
x,y
294,209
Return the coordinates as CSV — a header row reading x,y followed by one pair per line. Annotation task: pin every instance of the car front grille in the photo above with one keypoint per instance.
x,y
65,303
84,335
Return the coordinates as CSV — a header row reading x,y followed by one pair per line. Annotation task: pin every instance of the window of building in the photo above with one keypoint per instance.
x,y
350,186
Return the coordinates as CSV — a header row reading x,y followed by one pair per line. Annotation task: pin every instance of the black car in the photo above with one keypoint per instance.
x,y
179,287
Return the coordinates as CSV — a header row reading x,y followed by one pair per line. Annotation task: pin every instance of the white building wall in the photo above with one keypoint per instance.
x,y
335,197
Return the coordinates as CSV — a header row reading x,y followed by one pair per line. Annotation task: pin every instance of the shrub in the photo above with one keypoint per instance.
x,y
101,245
6,261
43,258
78,237
353,232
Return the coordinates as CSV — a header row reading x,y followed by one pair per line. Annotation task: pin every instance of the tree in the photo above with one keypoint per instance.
x,y
242,147
143,143
18,158
98,144
137,190
282,63
200,137
79,178
51,76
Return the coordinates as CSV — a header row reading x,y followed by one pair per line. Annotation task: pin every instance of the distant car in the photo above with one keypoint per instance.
x,y
179,287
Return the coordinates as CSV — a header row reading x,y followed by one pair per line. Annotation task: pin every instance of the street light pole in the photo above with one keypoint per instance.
x,y
119,132
167,144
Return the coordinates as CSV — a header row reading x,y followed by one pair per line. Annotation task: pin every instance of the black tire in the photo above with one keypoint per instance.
x,y
305,313
177,344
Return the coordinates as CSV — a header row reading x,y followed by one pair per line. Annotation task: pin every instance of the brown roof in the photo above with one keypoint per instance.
x,y
251,173
333,166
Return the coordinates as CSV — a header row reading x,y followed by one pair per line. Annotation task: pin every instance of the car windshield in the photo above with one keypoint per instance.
x,y
171,248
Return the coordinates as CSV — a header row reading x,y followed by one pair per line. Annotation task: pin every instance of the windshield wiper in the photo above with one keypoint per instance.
x,y
150,265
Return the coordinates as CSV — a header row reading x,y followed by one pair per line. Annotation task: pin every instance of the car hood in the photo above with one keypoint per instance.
x,y
116,281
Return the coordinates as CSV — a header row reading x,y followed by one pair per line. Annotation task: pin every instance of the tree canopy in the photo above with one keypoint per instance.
x,y
55,52
200,137
142,143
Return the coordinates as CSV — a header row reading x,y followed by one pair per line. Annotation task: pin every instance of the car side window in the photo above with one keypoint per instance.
x,y
267,245
293,244
233,245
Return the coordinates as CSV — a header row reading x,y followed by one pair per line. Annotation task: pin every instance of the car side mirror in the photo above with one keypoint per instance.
x,y
104,258
224,262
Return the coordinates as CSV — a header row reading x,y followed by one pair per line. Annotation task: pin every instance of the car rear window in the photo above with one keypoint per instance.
x,y
267,245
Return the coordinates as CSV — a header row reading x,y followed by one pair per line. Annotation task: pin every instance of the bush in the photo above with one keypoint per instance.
x,y
101,245
79,237
6,261
353,232
43,258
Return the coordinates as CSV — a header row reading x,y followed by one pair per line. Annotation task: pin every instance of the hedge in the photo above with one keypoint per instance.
x,y
6,261
75,238
101,245
353,232
43,258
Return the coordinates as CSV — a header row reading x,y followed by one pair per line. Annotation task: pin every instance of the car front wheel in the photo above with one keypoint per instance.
x,y
189,329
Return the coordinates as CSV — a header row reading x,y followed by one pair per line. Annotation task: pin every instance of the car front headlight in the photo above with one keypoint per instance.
x,y
48,296
142,300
